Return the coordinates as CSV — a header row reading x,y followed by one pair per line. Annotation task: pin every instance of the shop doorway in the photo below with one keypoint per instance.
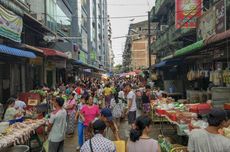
x,y
4,82
49,78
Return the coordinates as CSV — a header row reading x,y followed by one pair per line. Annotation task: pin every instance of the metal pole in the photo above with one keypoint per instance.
x,y
149,39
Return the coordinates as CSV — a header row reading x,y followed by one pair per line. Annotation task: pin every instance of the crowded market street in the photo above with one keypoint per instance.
x,y
114,76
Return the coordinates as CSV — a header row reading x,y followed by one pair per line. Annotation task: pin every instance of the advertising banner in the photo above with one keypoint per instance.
x,y
212,22
10,25
187,11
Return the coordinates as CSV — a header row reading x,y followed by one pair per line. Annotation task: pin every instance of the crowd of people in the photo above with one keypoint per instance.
x,y
96,108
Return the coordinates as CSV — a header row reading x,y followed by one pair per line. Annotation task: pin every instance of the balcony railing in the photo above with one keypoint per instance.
x,y
169,36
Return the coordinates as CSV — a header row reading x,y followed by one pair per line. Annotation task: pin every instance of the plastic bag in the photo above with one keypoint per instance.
x,y
120,145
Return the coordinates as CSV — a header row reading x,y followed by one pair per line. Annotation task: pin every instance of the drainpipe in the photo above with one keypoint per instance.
x,y
45,11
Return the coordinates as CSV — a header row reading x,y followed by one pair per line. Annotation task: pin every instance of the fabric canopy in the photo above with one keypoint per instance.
x,y
16,52
188,49
218,37
52,52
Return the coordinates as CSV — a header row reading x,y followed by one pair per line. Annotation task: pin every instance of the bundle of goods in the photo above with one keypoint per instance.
x,y
198,124
226,76
227,132
193,75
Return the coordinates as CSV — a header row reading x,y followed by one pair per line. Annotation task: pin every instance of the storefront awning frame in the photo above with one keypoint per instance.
x,y
190,48
16,52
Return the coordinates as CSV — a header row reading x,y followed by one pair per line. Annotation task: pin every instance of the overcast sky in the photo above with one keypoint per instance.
x,y
123,8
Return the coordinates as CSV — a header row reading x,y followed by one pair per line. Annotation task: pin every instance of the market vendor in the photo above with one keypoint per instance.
x,y
10,112
71,111
209,139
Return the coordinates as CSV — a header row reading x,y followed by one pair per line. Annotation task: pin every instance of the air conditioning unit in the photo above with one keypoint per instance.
x,y
39,17
164,28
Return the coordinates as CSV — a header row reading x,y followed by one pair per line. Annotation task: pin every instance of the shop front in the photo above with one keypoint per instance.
x,y
35,72
13,71
55,67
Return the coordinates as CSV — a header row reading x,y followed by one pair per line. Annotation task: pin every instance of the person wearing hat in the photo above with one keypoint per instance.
x,y
107,117
98,143
209,139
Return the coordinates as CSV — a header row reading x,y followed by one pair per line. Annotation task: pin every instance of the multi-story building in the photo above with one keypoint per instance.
x,y
43,36
110,54
187,40
136,53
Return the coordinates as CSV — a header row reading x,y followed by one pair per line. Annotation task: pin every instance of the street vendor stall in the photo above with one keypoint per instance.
x,y
183,116
19,133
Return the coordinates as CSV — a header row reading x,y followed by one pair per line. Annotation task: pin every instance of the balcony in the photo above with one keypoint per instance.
x,y
168,38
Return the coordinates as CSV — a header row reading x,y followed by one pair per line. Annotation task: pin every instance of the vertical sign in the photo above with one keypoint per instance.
x,y
220,10
212,21
187,11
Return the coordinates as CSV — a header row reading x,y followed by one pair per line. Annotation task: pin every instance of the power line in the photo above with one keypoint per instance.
x,y
111,17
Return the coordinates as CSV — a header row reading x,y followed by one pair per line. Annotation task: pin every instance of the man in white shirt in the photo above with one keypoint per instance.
x,y
57,127
209,139
132,106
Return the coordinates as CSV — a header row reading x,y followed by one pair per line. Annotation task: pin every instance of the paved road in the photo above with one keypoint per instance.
x,y
71,143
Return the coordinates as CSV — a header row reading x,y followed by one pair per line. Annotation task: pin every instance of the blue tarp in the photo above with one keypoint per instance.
x,y
16,52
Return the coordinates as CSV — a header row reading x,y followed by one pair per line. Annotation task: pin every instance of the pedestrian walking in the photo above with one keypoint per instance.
x,y
71,110
107,93
98,143
146,97
117,109
80,123
132,106
57,125
139,137
107,117
89,113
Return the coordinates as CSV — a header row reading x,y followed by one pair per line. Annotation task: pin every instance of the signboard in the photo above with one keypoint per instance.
x,y
83,57
10,25
187,11
36,61
84,40
212,22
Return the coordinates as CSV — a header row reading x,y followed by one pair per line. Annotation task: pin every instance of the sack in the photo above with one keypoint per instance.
x,y
46,146
120,145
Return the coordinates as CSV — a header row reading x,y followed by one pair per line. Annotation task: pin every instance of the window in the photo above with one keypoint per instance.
x,y
51,14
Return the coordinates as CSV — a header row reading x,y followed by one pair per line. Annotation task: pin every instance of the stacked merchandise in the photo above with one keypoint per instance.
x,y
226,77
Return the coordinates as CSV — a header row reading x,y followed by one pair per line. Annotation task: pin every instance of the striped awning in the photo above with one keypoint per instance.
x,y
16,52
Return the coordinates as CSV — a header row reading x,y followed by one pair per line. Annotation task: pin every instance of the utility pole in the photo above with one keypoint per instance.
x,y
149,39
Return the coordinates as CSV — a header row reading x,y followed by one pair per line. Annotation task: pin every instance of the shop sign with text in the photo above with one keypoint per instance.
x,y
187,11
212,22
10,25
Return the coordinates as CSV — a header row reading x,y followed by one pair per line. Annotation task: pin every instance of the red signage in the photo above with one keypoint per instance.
x,y
187,11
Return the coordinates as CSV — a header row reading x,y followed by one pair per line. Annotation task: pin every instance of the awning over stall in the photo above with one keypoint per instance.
x,y
189,49
16,52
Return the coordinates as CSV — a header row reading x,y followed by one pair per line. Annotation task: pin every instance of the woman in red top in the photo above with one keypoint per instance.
x,y
89,113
